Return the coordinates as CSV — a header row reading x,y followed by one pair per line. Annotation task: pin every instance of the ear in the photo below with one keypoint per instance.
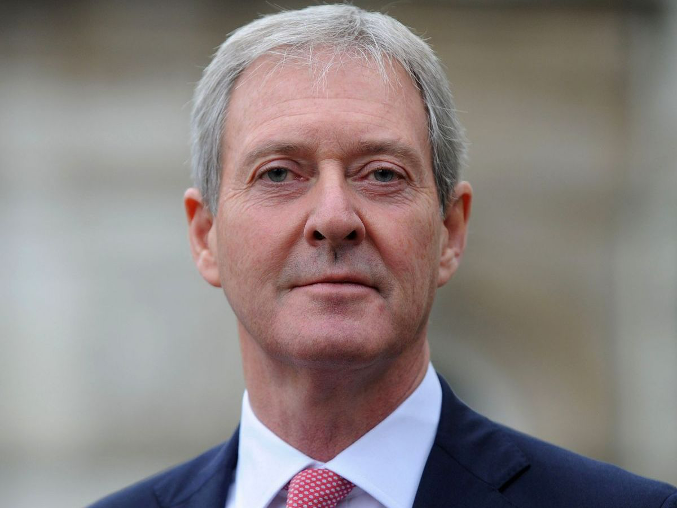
x,y
202,236
454,231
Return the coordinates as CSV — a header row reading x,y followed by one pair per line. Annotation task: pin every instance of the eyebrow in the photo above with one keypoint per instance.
x,y
358,148
393,148
275,148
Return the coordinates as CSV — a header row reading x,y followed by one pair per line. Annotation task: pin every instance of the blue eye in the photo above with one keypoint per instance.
x,y
384,175
277,174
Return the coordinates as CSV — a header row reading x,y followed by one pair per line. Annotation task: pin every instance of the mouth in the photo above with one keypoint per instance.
x,y
338,283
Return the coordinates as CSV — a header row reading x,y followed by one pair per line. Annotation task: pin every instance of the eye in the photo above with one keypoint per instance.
x,y
384,175
276,174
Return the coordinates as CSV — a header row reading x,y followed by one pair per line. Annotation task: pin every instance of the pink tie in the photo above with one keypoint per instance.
x,y
317,488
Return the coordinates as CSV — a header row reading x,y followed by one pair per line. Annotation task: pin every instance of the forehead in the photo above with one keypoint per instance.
x,y
319,69
325,98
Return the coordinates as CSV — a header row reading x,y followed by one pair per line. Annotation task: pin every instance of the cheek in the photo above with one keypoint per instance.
x,y
413,253
252,244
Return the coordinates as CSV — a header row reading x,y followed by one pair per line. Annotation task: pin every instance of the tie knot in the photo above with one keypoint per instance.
x,y
317,488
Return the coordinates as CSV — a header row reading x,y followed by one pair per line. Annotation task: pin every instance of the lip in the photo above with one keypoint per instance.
x,y
338,282
336,291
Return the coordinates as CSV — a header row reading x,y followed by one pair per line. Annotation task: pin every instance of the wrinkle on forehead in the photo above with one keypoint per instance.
x,y
320,62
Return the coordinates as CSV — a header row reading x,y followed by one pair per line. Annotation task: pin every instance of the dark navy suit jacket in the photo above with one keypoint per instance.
x,y
474,463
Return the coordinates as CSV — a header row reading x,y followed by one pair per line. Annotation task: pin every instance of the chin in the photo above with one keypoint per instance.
x,y
337,345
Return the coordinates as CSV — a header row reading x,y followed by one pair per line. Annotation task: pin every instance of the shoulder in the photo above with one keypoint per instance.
x,y
209,472
139,494
510,468
560,478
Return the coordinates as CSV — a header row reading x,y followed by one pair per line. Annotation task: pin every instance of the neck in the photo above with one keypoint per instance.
x,y
322,410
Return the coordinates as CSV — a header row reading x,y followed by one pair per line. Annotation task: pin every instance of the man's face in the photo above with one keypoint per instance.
x,y
328,236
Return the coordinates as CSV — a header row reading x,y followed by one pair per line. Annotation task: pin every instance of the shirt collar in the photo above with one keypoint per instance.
x,y
387,462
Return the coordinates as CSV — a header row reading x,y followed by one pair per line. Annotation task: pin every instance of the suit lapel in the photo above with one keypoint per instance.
x,y
472,459
447,484
202,483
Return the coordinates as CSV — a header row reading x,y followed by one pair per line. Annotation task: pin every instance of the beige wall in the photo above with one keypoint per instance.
x,y
117,360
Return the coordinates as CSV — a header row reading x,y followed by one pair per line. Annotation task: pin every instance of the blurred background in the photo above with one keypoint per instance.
x,y
116,358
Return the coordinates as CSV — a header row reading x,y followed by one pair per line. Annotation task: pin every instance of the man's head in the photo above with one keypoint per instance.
x,y
297,36
325,231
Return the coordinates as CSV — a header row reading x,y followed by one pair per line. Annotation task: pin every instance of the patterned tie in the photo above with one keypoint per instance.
x,y
317,488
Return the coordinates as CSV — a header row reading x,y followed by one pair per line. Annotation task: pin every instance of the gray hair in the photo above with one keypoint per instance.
x,y
348,30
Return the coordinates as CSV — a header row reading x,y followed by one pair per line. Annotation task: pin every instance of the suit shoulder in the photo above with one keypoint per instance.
x,y
565,479
148,492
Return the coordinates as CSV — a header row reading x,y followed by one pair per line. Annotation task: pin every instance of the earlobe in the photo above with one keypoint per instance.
x,y
454,232
202,236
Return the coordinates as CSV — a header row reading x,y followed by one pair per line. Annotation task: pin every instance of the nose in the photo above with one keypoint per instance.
x,y
333,220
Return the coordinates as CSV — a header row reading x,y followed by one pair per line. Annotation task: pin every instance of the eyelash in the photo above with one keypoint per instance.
x,y
395,174
268,172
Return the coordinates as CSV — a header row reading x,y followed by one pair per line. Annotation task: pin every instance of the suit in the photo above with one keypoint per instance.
x,y
474,463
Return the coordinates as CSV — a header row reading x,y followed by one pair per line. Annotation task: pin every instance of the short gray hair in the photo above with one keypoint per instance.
x,y
349,30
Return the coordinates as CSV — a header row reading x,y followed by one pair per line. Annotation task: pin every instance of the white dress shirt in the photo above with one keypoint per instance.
x,y
385,464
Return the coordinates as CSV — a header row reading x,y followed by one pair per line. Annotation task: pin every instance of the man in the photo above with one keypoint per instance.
x,y
329,209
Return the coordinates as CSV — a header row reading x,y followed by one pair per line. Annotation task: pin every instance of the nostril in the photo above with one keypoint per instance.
x,y
352,235
317,235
